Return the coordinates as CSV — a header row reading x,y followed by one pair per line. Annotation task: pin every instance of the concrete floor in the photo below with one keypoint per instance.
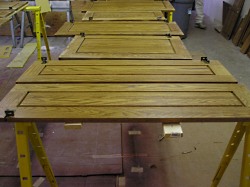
x,y
190,161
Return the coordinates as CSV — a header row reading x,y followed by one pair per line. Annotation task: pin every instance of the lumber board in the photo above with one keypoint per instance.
x,y
128,102
132,71
125,47
123,16
110,6
243,39
120,28
242,29
22,57
226,8
232,18
246,45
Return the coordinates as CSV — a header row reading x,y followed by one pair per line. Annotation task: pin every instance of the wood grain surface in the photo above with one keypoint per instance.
x,y
94,71
4,5
110,6
124,16
3,21
128,102
126,47
119,28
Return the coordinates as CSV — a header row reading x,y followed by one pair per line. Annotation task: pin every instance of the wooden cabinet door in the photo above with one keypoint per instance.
x,y
126,71
125,47
124,16
119,28
127,102
110,6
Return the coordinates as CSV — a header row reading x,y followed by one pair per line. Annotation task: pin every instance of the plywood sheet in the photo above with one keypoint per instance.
x,y
126,47
110,6
128,102
124,16
119,28
126,71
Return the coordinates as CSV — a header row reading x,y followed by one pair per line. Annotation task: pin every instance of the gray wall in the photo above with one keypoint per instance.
x,y
213,9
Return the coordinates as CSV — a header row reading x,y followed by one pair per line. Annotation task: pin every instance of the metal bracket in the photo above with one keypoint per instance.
x,y
205,60
44,60
8,113
82,34
169,34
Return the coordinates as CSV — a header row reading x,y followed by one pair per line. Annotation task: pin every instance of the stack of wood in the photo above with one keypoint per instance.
x,y
232,18
242,35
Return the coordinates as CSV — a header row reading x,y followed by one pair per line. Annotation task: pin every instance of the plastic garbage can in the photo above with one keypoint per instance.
x,y
183,10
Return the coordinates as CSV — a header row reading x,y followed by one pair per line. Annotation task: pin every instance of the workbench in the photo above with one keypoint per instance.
x,y
125,91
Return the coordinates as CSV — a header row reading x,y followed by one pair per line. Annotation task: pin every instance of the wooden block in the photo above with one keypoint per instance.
x,y
5,51
70,126
172,130
45,6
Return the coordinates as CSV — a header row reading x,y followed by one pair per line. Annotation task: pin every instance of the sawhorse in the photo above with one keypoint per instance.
x,y
40,29
24,133
20,25
239,131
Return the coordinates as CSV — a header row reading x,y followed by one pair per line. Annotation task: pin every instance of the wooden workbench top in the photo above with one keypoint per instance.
x,y
119,28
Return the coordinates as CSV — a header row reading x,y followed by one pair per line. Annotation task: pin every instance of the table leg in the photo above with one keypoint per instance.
x,y
245,170
229,152
22,28
12,29
23,153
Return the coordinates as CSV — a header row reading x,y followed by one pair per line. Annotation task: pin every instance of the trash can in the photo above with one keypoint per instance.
x,y
183,10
